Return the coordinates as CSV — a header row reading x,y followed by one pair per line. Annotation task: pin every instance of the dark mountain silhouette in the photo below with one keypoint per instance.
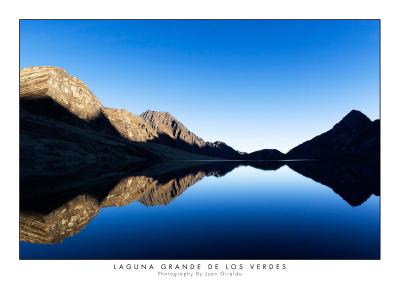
x,y
266,154
354,137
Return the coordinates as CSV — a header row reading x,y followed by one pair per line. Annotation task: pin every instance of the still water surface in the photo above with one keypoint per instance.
x,y
239,212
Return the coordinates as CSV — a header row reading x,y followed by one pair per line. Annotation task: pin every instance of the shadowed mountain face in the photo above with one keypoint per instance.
x,y
354,137
54,141
53,208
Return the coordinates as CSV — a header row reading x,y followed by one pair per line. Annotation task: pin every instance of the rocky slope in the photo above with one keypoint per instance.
x,y
64,127
173,133
40,82
130,126
354,137
165,124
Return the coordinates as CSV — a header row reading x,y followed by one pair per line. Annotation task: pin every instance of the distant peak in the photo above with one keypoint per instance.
x,y
355,114
354,120
269,150
156,113
147,112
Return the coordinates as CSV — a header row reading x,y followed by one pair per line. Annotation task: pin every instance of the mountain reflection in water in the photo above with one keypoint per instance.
x,y
53,208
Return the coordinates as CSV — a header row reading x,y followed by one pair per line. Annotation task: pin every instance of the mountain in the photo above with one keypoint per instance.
x,y
223,150
40,82
173,133
266,154
130,126
354,137
165,124
64,128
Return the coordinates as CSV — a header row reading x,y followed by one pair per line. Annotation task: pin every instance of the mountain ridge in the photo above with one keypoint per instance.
x,y
64,128
59,109
176,134
353,137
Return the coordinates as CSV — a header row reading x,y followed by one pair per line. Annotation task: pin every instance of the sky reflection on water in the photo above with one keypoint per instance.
x,y
246,214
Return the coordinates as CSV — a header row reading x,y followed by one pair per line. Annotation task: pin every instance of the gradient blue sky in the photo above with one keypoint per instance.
x,y
251,84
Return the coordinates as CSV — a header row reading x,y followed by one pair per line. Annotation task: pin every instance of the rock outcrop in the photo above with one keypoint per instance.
x,y
165,124
130,126
173,133
40,82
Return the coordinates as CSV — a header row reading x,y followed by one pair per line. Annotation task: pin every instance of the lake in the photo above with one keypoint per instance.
x,y
217,210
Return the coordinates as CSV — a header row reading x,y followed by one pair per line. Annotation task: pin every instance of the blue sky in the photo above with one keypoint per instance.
x,y
252,84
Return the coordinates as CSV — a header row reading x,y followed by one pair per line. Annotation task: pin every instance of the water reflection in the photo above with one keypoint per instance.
x,y
53,208
63,222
